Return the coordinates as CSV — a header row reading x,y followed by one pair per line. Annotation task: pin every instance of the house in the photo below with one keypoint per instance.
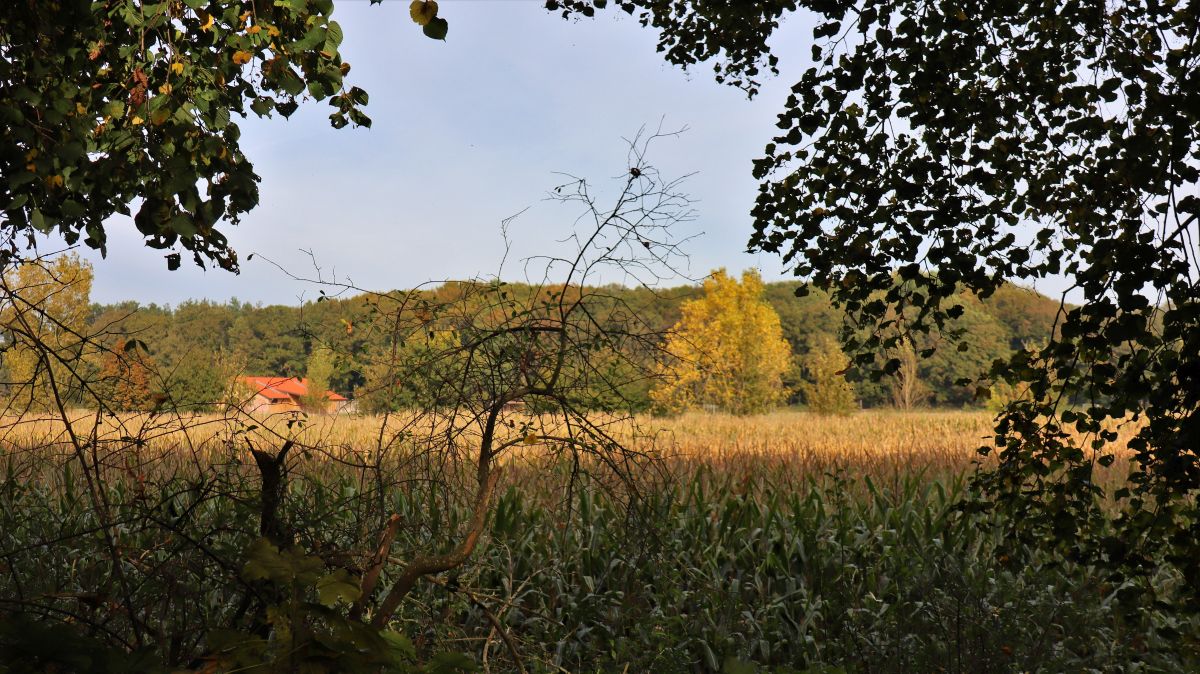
x,y
285,394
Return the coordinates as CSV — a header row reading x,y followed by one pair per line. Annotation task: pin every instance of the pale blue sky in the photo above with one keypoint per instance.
x,y
465,133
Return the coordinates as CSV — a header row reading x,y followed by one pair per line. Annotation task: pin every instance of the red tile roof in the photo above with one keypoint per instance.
x,y
284,388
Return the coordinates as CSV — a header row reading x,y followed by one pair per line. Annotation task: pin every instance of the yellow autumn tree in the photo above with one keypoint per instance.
x,y
43,316
728,351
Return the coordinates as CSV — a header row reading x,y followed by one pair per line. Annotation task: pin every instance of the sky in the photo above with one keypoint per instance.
x,y
466,133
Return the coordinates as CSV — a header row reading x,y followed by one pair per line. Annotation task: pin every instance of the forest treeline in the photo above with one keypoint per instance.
x,y
198,346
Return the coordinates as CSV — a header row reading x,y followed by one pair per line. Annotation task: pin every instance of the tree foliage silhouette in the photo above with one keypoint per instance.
x,y
935,148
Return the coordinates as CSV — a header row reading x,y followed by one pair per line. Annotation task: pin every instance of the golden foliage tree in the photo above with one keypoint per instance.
x,y
125,381
825,388
729,350
908,390
43,315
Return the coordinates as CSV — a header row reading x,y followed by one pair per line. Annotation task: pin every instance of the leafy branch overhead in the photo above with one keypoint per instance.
x,y
932,149
116,104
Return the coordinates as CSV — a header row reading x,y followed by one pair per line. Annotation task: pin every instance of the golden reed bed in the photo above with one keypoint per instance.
x,y
870,442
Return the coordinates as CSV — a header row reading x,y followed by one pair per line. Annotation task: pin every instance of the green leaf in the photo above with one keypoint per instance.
x,y
359,118
436,28
449,663
262,106
735,666
183,225
72,209
40,222
263,560
333,36
312,38
317,90
286,108
402,647
221,118
339,585
290,82
17,202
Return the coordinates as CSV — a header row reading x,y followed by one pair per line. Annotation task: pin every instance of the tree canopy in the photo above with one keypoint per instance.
x,y
43,314
113,104
729,350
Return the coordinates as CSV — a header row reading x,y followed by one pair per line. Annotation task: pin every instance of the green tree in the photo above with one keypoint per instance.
x,y
419,371
826,390
1028,315
728,350
318,373
199,382
956,364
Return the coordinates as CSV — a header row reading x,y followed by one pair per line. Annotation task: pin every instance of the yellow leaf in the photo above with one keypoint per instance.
x,y
206,19
79,109
252,30
177,68
54,181
32,154
165,89
136,120
423,11
530,439
272,31
242,57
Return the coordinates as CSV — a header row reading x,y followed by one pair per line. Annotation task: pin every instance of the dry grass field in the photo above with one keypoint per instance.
x,y
792,444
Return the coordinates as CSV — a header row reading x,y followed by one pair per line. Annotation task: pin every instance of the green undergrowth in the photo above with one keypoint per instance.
x,y
704,574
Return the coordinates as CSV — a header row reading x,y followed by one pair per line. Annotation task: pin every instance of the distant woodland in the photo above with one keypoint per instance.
x,y
201,345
